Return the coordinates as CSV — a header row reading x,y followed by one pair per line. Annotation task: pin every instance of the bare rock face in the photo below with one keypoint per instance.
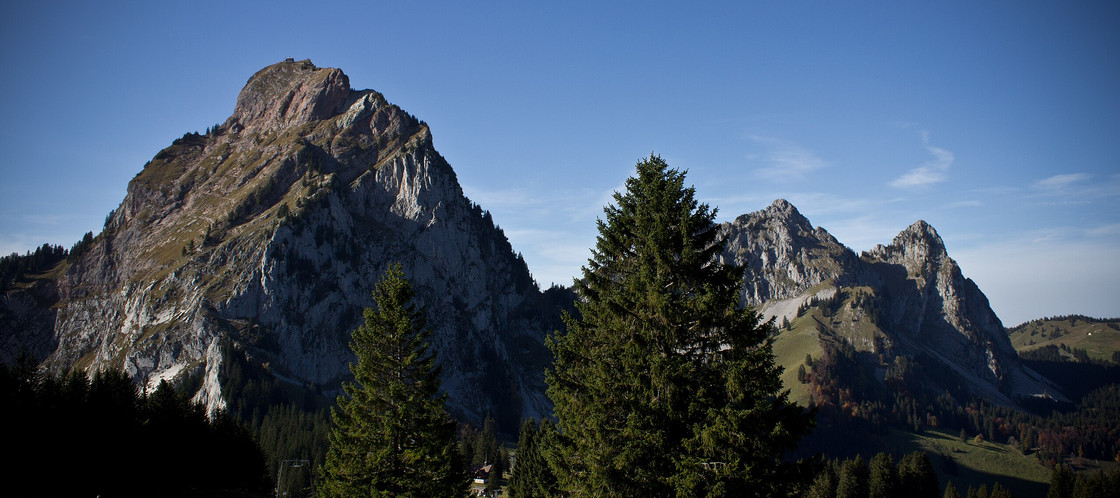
x,y
933,304
26,320
263,239
910,294
783,254
289,94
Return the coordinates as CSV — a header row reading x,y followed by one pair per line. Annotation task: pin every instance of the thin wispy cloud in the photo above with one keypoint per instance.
x,y
1075,189
784,160
824,203
1059,182
1104,230
934,170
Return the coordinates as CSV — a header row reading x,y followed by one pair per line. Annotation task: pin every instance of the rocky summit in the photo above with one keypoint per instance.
x,y
906,298
261,240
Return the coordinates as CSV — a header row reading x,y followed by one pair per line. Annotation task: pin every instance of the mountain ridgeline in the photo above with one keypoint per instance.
x,y
250,251
257,244
903,300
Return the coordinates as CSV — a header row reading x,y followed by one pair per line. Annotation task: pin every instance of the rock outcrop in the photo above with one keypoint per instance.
x,y
783,254
264,237
908,297
289,94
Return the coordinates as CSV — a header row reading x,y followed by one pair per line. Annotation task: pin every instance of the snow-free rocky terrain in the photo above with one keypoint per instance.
x,y
263,237
905,298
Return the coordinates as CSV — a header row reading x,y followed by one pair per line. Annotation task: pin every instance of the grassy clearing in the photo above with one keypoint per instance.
x,y
790,348
1098,338
972,464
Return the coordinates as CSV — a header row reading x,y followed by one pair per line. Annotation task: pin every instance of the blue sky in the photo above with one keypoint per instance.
x,y
997,122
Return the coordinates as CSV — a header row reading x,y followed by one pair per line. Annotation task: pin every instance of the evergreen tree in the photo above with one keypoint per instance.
x,y
852,481
531,476
486,448
998,491
824,485
916,476
951,491
665,385
1062,480
391,435
884,476
1100,484
58,421
981,492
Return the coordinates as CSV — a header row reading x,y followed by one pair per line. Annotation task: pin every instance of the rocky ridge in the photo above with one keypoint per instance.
x,y
908,297
264,237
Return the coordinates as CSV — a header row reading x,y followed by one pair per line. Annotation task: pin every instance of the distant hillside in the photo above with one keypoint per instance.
x,y
1098,338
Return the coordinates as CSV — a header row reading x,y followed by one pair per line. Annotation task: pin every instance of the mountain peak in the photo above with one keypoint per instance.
x,y
921,226
782,211
290,93
922,234
783,255
257,243
784,208
783,205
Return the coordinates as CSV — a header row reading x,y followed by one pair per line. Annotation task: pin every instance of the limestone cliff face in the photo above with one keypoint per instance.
x,y
783,254
904,298
26,321
264,238
930,303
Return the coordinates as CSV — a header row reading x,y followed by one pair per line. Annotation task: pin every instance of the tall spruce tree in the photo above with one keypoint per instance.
x,y
951,491
916,476
531,475
883,476
852,479
391,435
666,385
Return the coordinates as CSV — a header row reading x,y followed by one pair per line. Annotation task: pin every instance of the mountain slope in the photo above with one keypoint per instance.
x,y
263,238
907,298
1099,338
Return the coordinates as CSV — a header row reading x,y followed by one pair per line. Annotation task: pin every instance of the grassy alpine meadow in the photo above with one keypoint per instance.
x,y
972,462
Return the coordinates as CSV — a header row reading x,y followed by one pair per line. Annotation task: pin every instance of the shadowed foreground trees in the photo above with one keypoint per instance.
x,y
1064,483
913,477
391,434
666,386
73,435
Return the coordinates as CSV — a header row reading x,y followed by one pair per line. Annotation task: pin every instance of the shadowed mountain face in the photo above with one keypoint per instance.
x,y
263,239
905,298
